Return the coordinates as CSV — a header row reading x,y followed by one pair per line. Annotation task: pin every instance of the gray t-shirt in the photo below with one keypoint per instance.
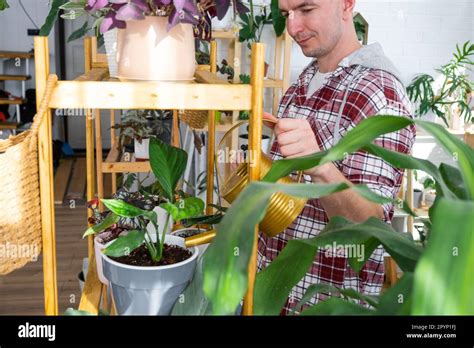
x,y
318,80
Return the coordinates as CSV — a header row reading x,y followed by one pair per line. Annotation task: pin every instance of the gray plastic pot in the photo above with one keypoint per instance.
x,y
149,290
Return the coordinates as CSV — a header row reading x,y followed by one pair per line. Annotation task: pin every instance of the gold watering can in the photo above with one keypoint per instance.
x,y
282,210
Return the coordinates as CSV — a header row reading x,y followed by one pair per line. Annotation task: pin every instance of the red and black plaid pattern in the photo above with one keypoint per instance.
x,y
371,92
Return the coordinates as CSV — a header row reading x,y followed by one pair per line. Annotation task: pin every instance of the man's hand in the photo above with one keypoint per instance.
x,y
296,139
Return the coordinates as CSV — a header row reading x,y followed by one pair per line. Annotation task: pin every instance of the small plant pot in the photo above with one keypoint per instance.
x,y
244,141
189,232
417,198
141,149
429,198
140,290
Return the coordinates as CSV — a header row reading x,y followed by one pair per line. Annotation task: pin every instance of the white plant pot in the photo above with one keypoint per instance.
x,y
110,43
141,149
140,290
98,247
225,23
429,198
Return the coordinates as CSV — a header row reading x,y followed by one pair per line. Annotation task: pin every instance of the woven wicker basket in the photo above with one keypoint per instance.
x,y
20,212
196,119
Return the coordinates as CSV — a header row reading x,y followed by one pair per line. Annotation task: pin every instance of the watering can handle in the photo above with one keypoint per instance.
x,y
300,173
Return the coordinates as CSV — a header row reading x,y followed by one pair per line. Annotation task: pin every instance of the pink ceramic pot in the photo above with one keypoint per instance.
x,y
146,50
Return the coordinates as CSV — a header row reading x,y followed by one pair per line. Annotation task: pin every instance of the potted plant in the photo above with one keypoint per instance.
x,y
146,29
253,22
107,226
140,126
148,269
449,96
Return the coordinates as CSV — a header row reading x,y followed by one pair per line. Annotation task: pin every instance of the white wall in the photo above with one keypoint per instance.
x,y
13,37
418,35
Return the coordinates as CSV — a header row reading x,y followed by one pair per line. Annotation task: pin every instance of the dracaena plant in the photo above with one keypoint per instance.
x,y
437,279
110,14
455,87
168,164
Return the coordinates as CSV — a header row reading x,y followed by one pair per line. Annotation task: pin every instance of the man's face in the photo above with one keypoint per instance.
x,y
316,25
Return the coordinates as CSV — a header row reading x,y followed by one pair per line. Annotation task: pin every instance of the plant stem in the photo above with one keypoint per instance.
x,y
163,235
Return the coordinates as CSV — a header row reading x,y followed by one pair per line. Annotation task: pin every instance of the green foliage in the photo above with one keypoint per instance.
x,y
3,5
446,266
454,91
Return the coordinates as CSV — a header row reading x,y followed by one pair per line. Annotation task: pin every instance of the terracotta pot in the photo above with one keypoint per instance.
x,y
146,50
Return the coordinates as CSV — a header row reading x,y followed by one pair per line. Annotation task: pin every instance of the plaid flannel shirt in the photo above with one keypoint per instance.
x,y
369,92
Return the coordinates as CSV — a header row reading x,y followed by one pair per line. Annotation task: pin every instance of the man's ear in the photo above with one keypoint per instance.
x,y
348,8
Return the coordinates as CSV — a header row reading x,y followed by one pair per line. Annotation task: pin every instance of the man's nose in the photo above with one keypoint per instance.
x,y
293,24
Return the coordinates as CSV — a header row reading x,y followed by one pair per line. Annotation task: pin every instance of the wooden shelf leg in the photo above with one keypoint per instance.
x,y
45,152
255,146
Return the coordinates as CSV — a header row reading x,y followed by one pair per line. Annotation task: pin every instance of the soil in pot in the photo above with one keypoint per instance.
x,y
141,257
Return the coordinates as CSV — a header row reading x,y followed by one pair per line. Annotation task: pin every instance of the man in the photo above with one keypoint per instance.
x,y
344,84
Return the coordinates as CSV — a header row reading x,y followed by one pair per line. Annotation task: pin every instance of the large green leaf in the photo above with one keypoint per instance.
x,y
461,152
365,132
226,260
453,179
124,245
444,281
400,160
332,290
278,20
79,33
3,5
273,284
337,306
184,208
106,223
397,299
168,164
122,208
52,17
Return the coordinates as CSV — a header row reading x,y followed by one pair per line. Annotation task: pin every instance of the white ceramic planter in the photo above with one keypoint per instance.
x,y
110,43
149,290
141,149
146,50
225,23
98,247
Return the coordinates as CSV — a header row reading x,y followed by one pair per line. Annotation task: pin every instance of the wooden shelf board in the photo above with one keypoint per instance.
x,y
8,125
15,77
126,167
223,34
96,74
4,101
113,164
273,83
15,54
